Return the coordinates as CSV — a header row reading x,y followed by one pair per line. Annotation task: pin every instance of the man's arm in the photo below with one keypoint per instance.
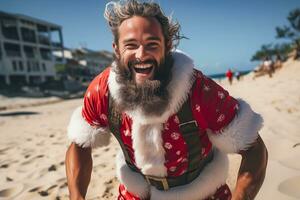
x,y
252,171
79,165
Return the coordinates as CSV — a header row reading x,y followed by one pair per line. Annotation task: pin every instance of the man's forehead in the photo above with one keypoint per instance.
x,y
149,27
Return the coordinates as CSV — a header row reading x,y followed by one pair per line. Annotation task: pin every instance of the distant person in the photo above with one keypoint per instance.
x,y
237,75
268,66
175,126
229,75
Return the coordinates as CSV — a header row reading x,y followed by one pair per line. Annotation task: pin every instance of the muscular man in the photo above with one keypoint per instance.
x,y
175,126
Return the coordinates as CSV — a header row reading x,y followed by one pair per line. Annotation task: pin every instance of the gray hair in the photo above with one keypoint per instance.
x,y
116,12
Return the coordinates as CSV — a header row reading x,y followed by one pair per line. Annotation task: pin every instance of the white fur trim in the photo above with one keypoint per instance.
x,y
210,179
206,184
179,88
148,149
240,133
133,181
83,134
146,130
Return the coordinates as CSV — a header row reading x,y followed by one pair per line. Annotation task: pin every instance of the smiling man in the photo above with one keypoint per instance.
x,y
174,125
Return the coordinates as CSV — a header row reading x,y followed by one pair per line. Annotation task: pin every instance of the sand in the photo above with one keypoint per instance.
x,y
33,143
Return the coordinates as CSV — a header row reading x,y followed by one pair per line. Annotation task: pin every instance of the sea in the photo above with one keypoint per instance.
x,y
223,75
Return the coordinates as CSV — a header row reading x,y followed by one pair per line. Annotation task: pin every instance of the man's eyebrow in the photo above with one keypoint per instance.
x,y
129,40
154,38
148,38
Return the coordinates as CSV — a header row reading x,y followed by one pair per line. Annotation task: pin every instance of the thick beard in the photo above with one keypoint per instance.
x,y
152,96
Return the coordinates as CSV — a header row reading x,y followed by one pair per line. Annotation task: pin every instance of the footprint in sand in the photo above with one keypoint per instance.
x,y
290,187
31,160
109,185
42,192
295,145
2,151
10,191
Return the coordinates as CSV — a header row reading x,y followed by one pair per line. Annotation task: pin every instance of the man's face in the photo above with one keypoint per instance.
x,y
141,47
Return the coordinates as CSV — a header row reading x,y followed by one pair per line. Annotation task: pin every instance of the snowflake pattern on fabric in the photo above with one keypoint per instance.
x,y
197,107
175,136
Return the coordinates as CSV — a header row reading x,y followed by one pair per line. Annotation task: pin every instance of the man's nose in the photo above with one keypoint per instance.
x,y
140,53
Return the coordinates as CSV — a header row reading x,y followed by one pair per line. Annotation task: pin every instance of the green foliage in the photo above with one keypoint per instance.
x,y
272,50
60,68
291,32
294,19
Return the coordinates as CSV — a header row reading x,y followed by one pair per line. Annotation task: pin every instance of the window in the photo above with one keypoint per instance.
x,y
9,28
45,54
28,66
14,65
21,67
43,34
12,50
28,35
30,51
44,67
37,66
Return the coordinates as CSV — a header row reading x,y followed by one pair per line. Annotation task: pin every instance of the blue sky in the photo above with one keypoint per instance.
x,y
222,34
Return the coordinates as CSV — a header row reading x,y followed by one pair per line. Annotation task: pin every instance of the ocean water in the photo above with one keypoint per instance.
x,y
223,75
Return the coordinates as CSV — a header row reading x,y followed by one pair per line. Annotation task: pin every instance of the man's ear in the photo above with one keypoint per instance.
x,y
169,47
116,50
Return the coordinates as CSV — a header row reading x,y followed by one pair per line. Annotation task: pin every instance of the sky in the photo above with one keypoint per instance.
x,y
222,33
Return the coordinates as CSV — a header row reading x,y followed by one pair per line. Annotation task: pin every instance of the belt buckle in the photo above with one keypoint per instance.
x,y
163,180
189,122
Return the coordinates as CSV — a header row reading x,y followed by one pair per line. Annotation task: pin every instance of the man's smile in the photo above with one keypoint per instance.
x,y
143,68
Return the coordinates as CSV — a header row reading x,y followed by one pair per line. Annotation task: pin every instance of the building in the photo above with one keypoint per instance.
x,y
84,64
95,61
26,46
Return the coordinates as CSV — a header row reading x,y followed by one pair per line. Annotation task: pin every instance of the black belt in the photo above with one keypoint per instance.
x,y
164,183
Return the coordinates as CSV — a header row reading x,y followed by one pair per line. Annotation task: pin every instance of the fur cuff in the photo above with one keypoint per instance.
x,y
210,179
240,133
83,134
134,182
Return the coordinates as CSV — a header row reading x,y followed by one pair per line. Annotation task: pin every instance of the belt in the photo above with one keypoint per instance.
x,y
165,183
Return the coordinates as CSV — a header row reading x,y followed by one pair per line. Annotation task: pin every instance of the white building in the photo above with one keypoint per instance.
x,y
26,46
95,61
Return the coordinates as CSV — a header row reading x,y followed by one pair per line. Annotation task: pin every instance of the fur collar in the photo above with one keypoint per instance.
x,y
179,87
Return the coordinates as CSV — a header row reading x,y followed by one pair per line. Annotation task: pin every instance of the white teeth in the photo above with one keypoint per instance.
x,y
143,66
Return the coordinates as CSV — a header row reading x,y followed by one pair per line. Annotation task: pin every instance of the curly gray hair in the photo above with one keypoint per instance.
x,y
116,12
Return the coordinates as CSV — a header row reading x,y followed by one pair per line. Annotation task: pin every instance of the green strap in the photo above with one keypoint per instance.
x,y
114,124
190,132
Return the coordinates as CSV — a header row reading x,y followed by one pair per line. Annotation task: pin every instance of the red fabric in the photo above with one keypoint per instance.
x,y
229,74
95,103
213,108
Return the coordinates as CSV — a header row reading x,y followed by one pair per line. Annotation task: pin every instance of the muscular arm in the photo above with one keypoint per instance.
x,y
78,168
252,171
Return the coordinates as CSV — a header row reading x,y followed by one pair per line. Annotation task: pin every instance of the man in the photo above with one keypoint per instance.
x,y
174,125
229,76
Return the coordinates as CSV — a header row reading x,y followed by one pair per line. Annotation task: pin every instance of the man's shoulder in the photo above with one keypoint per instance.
x,y
99,85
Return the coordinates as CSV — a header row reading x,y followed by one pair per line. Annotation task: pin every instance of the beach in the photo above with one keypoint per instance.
x,y
33,142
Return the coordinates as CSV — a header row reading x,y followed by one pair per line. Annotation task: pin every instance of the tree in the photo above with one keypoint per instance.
x,y
292,32
271,50
265,50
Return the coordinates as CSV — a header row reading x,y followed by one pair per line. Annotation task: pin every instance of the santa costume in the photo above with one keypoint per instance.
x,y
155,146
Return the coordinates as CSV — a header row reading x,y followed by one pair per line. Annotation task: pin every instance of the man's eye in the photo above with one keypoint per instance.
x,y
152,45
131,46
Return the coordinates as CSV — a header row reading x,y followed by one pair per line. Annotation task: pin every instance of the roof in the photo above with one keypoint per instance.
x,y
29,18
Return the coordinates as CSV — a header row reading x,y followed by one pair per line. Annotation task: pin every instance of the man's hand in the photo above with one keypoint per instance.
x,y
78,168
252,171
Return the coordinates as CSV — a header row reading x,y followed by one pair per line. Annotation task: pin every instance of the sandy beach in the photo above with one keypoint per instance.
x,y
33,142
